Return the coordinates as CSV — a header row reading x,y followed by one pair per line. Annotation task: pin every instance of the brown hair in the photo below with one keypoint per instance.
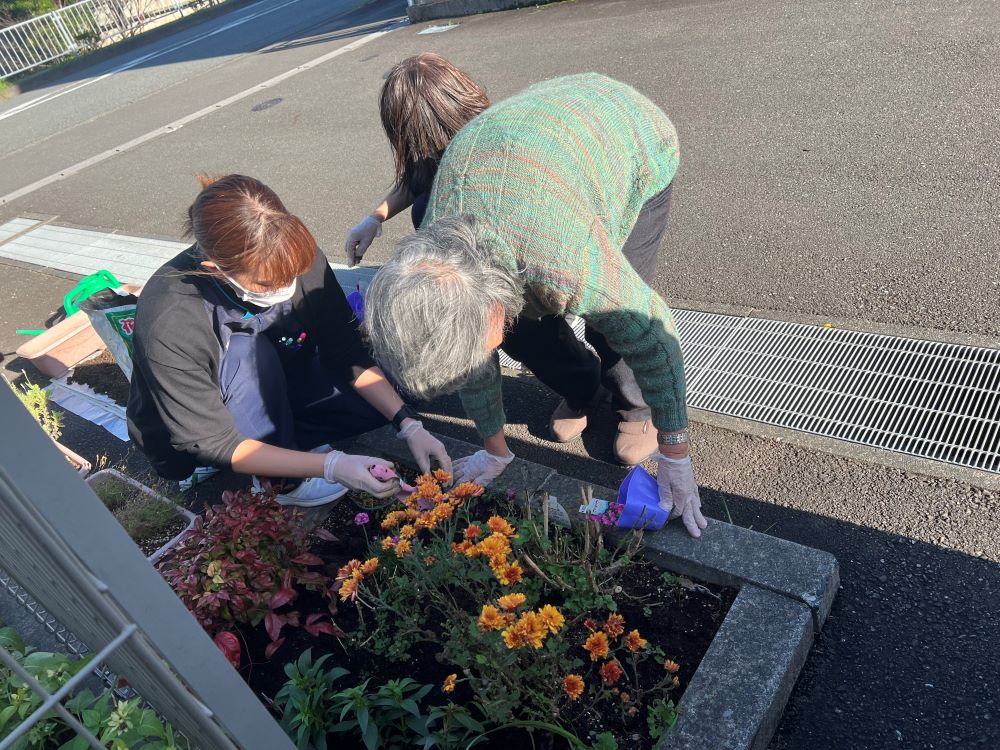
x,y
425,101
242,226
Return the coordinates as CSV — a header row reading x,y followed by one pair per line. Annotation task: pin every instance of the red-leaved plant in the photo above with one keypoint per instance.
x,y
243,563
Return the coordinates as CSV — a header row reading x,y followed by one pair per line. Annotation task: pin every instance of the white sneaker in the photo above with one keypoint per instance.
x,y
309,494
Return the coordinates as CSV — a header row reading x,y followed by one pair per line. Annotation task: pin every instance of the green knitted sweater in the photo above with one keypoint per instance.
x,y
555,178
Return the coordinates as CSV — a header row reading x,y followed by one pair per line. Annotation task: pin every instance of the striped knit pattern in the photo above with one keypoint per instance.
x,y
555,177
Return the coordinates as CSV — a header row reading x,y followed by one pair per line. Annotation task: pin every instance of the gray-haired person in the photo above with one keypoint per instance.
x,y
549,203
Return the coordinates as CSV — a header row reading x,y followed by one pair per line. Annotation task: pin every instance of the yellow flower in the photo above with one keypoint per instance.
x,y
370,566
634,641
615,625
499,525
573,686
552,618
449,683
596,645
491,619
511,601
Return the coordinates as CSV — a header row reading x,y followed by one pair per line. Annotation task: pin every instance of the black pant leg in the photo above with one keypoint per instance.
x,y
549,348
641,250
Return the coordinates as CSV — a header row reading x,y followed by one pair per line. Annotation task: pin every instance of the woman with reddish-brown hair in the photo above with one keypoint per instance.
x,y
425,101
248,356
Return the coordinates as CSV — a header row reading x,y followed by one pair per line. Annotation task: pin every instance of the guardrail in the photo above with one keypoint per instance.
x,y
81,27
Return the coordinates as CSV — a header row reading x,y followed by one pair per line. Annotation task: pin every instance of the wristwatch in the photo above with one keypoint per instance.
x,y
404,413
672,438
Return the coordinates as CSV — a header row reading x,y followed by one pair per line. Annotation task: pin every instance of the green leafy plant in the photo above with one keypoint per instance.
x,y
119,725
389,716
661,715
36,401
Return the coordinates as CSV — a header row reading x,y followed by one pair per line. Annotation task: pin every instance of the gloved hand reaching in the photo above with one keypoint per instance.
x,y
482,467
353,472
360,238
679,492
424,447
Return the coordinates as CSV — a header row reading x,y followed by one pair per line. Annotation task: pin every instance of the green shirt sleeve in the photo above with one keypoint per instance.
x,y
482,399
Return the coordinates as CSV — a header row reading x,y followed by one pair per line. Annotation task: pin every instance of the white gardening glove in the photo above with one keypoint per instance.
x,y
360,238
679,492
424,447
482,467
353,472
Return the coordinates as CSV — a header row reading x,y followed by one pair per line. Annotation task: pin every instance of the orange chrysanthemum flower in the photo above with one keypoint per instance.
x,y
403,548
443,512
467,490
491,619
387,543
614,626
573,686
671,666
634,641
442,476
370,566
459,548
510,574
499,525
596,645
590,625
514,637
495,545
511,601
449,683
676,681
625,697
473,532
429,560
407,532
527,631
346,570
349,588
552,618
611,672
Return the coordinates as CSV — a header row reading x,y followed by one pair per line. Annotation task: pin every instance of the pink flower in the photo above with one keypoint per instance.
x,y
361,519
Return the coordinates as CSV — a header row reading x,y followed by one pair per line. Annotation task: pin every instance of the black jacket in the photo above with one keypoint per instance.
x,y
175,410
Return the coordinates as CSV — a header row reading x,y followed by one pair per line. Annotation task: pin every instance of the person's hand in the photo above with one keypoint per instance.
x,y
360,238
424,447
353,472
482,467
679,492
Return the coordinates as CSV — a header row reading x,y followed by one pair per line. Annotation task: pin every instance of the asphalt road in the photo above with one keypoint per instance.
x,y
839,162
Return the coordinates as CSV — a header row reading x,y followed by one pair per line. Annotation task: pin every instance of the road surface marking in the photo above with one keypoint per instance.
x,y
139,60
178,124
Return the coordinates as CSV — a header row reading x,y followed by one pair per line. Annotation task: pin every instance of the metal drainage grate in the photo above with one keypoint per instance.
x,y
923,398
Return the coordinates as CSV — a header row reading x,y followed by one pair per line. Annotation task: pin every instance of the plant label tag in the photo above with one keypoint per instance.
x,y
595,507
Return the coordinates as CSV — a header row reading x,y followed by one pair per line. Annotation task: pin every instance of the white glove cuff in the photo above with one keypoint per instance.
x,y
411,428
330,463
378,224
674,461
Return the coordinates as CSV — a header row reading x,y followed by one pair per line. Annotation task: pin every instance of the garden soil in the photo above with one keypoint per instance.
x,y
104,375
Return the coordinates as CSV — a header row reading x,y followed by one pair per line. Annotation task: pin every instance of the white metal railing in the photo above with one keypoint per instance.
x,y
81,27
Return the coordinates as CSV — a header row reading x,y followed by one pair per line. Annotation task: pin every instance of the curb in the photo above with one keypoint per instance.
x,y
739,691
431,10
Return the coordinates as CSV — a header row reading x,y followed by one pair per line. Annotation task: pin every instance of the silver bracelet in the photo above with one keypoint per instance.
x,y
672,438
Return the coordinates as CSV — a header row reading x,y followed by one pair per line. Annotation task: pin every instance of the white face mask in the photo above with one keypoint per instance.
x,y
263,299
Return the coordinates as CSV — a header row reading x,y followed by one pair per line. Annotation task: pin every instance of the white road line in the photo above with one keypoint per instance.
x,y
178,124
139,60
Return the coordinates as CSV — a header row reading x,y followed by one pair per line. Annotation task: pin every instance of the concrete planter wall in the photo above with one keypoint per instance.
x,y
106,475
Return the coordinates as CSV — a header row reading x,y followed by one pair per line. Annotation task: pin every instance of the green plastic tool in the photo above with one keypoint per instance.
x,y
88,285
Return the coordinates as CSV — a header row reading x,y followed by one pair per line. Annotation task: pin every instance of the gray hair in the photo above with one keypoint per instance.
x,y
428,311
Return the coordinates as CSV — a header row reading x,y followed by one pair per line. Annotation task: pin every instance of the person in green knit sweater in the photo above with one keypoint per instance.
x,y
550,203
